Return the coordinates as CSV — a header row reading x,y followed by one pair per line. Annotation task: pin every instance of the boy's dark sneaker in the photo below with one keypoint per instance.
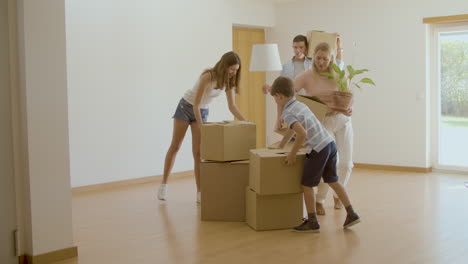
x,y
308,227
351,219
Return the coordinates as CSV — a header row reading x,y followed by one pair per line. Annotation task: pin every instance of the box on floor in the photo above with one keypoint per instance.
x,y
270,212
223,190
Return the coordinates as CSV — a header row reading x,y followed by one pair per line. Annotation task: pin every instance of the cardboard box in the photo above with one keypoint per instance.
x,y
223,190
288,147
315,105
269,212
270,175
227,141
316,37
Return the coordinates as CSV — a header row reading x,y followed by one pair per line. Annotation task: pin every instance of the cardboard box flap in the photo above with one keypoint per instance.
x,y
287,147
241,162
274,152
228,123
259,150
223,162
270,154
315,105
313,98
213,161
213,123
236,122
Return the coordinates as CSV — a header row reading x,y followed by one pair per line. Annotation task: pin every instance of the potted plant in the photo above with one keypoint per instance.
x,y
343,98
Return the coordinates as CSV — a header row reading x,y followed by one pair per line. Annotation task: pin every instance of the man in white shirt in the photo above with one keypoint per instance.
x,y
298,63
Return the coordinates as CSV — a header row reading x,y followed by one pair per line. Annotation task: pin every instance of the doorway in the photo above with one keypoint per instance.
x,y
250,100
450,94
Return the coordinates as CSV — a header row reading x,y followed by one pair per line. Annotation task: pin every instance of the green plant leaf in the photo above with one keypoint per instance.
x,y
357,85
329,75
342,85
337,69
360,71
350,70
367,80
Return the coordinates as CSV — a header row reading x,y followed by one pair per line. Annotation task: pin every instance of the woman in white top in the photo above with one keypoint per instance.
x,y
193,111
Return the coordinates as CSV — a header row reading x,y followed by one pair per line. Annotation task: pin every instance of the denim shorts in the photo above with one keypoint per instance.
x,y
319,165
185,112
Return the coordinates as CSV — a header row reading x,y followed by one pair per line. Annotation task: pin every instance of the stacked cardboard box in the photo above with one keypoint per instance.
x,y
227,141
224,173
274,195
223,190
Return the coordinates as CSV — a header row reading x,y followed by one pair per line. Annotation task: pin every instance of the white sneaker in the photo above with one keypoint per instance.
x,y
198,197
162,192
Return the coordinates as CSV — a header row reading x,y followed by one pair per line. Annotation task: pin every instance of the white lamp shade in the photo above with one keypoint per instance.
x,y
265,57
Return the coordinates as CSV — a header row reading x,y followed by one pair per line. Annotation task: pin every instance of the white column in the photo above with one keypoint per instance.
x,y
45,145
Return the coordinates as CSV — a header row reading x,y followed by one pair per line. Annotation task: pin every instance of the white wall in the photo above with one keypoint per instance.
x,y
129,63
44,123
390,40
257,13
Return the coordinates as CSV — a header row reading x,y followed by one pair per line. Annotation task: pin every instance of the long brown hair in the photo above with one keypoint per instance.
x,y
221,72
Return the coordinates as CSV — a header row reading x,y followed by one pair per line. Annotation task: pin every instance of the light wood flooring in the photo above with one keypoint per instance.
x,y
406,218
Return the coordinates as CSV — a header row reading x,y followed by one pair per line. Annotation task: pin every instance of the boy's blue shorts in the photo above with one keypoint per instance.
x,y
320,164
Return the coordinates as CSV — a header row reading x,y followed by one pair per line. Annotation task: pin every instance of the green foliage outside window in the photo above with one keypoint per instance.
x,y
454,78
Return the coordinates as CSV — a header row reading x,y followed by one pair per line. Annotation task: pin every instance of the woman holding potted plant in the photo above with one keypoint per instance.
x,y
338,121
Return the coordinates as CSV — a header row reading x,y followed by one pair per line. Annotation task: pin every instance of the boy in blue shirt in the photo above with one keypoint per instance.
x,y
321,158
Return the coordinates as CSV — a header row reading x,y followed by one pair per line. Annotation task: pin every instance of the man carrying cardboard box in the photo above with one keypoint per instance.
x,y
321,157
298,63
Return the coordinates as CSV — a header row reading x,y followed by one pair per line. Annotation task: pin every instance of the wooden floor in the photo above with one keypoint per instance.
x,y
406,218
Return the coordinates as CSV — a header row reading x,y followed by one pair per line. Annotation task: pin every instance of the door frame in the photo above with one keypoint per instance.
x,y
261,142
435,100
10,180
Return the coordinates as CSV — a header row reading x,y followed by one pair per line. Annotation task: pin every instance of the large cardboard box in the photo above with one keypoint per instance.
x,y
227,141
315,37
269,212
223,190
270,175
288,147
317,107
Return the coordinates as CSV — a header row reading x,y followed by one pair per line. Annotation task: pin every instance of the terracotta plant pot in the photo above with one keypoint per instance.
x,y
342,101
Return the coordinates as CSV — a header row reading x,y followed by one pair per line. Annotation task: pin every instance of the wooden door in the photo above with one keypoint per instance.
x,y
250,100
